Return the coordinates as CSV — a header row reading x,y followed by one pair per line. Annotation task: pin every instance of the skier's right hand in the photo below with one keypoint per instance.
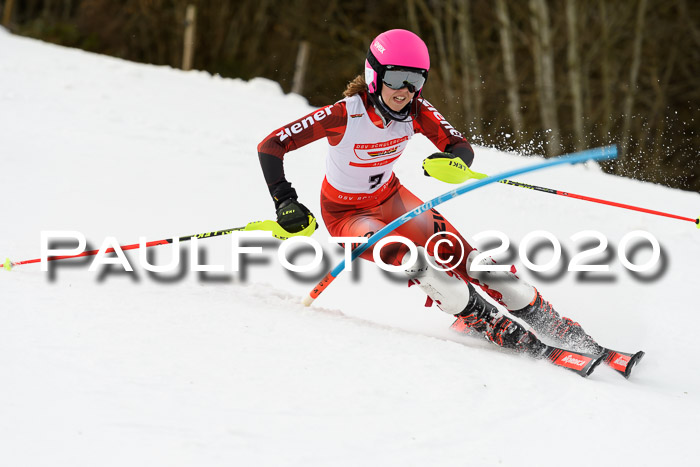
x,y
294,217
448,168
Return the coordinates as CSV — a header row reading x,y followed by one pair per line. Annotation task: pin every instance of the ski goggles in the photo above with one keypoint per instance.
x,y
402,78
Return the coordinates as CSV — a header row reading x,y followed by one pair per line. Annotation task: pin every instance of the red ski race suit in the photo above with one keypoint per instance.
x,y
360,193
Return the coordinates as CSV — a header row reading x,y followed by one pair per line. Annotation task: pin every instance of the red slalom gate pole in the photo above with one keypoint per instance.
x,y
267,225
695,221
10,264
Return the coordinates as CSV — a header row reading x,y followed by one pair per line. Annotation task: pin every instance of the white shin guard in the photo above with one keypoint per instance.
x,y
517,293
449,292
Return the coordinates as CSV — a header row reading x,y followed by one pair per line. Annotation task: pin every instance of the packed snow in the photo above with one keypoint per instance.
x,y
222,368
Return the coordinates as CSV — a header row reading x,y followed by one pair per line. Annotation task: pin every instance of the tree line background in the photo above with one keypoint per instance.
x,y
534,76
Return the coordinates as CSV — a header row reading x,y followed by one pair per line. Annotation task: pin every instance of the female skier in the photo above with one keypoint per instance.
x,y
368,131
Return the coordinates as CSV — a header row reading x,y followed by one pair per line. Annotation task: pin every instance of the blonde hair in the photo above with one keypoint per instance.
x,y
356,86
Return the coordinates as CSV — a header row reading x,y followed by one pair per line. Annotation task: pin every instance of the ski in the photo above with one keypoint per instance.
x,y
578,362
622,362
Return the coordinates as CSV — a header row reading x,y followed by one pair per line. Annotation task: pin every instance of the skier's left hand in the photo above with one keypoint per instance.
x,y
294,217
449,168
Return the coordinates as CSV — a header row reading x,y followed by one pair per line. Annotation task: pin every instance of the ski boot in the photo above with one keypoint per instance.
x,y
545,320
483,317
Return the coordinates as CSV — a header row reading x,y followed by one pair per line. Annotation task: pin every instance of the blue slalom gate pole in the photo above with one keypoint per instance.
x,y
598,154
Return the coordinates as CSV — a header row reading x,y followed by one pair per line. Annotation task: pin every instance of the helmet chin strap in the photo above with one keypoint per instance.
x,y
386,114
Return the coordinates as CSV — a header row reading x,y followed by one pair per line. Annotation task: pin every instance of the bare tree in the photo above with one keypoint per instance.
x,y
508,52
412,16
575,74
544,74
435,17
472,100
7,12
260,22
634,74
606,72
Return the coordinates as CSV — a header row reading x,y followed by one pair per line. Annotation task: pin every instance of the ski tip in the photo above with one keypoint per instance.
x,y
697,222
622,362
7,265
634,359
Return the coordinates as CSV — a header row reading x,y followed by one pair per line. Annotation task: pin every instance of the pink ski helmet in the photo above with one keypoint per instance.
x,y
397,49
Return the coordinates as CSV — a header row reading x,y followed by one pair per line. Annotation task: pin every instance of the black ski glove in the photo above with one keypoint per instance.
x,y
293,216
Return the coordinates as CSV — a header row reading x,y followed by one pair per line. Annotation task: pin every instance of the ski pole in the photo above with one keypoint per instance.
x,y
600,201
268,225
604,153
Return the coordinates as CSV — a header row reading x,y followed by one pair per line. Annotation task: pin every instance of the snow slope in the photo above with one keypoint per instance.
x,y
113,368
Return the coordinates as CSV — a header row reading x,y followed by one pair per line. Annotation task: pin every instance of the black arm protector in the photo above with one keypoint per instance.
x,y
463,151
273,170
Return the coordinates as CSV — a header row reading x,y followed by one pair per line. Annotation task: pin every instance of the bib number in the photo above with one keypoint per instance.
x,y
375,180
